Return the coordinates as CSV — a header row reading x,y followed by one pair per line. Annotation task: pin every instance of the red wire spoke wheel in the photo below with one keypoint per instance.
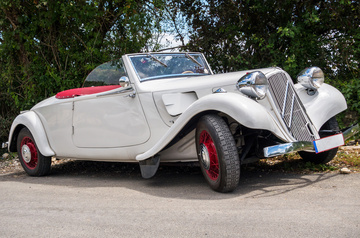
x,y
208,156
29,153
217,153
31,159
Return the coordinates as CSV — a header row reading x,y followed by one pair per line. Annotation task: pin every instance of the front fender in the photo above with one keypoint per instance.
x,y
244,110
323,105
31,121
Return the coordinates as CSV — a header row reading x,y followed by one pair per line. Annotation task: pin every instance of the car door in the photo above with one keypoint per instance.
x,y
110,119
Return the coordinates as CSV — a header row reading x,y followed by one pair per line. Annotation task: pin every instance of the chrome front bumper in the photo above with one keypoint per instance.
x,y
287,148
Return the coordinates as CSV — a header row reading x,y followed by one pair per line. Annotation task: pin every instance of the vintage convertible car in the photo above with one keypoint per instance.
x,y
170,107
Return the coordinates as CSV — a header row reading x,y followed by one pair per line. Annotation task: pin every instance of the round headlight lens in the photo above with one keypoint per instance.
x,y
253,85
311,78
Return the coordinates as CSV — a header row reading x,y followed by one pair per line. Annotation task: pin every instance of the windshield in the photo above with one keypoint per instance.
x,y
106,74
155,66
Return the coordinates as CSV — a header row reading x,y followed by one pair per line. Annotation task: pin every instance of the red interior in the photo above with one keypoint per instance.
x,y
75,92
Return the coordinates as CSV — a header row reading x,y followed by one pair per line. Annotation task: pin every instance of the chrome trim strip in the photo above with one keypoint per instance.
x,y
291,110
286,148
285,98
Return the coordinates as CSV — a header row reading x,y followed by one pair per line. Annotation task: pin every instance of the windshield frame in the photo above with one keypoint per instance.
x,y
157,57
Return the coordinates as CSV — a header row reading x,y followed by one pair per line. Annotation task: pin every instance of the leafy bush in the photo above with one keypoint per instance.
x,y
50,46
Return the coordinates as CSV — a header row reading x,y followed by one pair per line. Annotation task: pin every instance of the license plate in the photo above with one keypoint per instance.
x,y
328,143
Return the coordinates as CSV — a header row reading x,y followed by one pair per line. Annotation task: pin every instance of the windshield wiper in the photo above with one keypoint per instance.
x,y
193,59
157,60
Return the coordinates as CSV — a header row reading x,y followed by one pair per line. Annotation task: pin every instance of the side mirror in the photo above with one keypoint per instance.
x,y
124,82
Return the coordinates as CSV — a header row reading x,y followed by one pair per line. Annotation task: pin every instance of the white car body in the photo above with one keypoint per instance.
x,y
158,117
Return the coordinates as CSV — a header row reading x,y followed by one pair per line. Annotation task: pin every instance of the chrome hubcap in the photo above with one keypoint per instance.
x,y
204,156
26,153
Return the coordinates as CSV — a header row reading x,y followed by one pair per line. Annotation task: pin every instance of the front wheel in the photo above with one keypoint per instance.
x,y
217,153
326,156
33,162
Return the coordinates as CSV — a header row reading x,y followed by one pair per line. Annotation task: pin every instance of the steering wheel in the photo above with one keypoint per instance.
x,y
187,72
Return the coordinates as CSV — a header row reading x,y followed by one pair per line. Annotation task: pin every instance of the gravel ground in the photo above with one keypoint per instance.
x,y
94,199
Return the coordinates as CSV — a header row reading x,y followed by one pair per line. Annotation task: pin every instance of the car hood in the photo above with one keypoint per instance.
x,y
173,96
197,82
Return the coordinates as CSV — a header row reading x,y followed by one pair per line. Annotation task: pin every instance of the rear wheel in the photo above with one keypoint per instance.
x,y
33,162
217,153
326,156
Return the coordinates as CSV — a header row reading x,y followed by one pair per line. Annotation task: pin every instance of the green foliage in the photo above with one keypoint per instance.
x,y
349,158
319,167
351,91
50,46
291,34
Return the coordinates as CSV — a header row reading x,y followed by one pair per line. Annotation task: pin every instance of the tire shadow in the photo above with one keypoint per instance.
x,y
181,180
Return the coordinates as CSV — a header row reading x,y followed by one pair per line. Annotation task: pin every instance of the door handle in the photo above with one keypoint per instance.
x,y
131,95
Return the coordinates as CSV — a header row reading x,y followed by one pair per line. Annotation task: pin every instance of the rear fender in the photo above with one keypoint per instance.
x,y
244,110
31,121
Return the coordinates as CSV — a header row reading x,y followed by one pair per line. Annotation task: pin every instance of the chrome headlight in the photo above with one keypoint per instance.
x,y
311,78
253,85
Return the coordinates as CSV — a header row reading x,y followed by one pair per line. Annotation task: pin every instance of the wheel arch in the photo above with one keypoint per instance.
x,y
231,105
13,137
190,126
33,123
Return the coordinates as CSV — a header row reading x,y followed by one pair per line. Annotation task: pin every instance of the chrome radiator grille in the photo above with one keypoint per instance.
x,y
289,107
